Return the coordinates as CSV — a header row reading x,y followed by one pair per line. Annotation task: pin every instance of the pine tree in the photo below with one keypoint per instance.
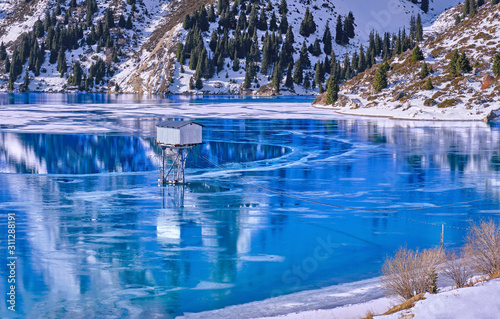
x,y
202,19
252,20
3,52
346,67
77,75
333,61
249,73
242,22
236,62
494,2
7,64
361,59
273,26
419,34
308,26
345,38
315,48
480,3
332,90
464,64
327,40
201,64
187,23
283,9
305,62
266,54
413,27
424,71
128,25
307,81
220,63
466,8
339,31
425,6
290,38
380,80
283,24
222,5
38,29
88,84
473,7
198,83
211,14
428,84
12,80
277,76
61,62
453,65
496,64
16,67
417,54
121,21
349,26
298,72
319,76
262,23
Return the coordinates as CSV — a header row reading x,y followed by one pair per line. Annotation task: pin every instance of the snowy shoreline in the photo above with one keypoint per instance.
x,y
367,296
354,297
416,114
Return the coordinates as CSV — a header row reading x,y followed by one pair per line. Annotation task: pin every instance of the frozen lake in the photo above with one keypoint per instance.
x,y
299,199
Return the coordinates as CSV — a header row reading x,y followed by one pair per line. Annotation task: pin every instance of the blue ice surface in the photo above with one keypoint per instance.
x,y
281,206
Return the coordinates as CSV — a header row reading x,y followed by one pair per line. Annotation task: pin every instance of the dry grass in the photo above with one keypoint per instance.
x,y
321,99
494,276
369,315
448,103
407,304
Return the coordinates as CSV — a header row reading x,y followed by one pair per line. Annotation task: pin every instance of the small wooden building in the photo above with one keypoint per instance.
x,y
178,133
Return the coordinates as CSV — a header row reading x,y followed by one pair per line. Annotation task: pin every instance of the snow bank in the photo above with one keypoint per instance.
x,y
480,301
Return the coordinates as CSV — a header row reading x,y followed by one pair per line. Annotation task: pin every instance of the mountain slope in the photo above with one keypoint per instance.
x,y
471,94
141,59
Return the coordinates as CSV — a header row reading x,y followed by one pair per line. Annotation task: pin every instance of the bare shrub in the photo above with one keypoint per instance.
x,y
483,247
411,272
458,269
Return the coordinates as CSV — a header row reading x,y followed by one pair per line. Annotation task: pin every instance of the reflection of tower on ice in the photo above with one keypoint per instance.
x,y
176,139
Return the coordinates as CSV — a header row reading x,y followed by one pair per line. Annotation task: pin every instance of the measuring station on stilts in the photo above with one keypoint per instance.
x,y
176,139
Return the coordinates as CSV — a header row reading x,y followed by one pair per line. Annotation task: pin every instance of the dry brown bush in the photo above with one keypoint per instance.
x,y
458,269
411,272
483,247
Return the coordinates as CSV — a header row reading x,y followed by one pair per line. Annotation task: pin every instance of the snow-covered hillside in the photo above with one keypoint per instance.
x,y
379,16
146,61
18,18
468,95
